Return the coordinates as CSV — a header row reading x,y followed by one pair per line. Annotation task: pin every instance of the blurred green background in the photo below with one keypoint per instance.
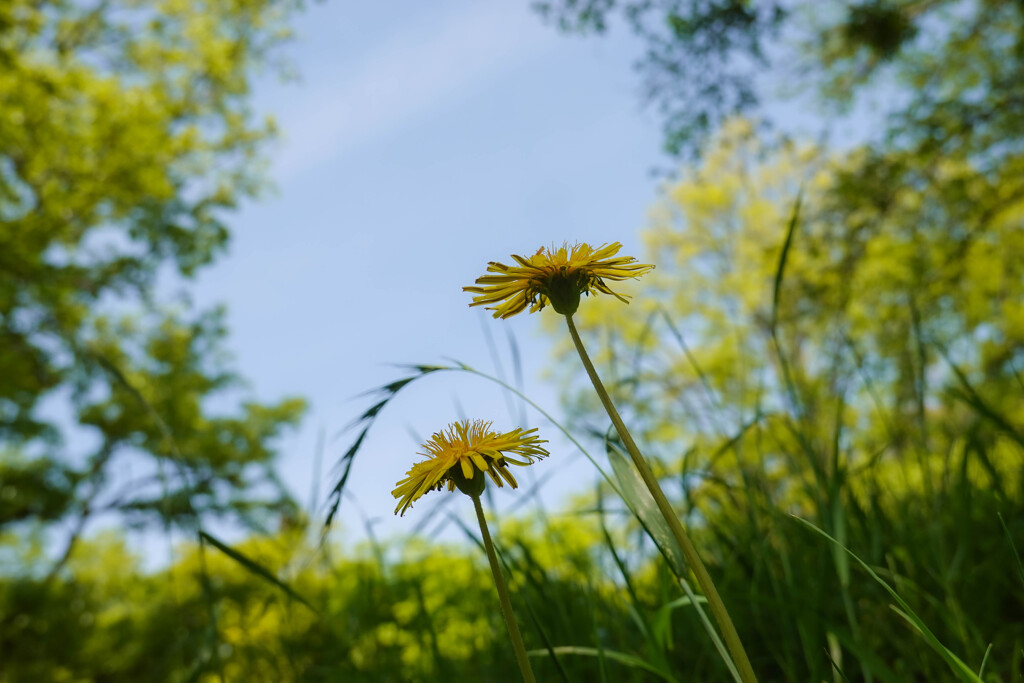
x,y
834,331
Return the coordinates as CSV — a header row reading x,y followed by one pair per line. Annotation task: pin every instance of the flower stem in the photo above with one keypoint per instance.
x,y
732,639
506,604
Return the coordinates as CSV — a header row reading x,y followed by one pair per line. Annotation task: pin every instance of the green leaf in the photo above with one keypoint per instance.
x,y
632,661
640,501
661,624
255,568
794,220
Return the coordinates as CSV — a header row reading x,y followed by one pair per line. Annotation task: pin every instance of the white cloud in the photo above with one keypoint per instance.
x,y
413,73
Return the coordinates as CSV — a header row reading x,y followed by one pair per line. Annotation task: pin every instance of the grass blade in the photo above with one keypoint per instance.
x,y
661,623
962,671
631,661
984,660
1013,547
641,503
256,568
780,272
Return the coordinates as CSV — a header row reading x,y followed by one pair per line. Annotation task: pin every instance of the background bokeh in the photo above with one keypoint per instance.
x,y
233,237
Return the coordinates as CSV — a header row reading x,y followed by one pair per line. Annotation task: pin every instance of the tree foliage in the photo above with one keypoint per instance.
x,y
951,69
126,135
429,613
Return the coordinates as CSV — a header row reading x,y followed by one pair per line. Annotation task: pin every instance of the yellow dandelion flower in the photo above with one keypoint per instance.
x,y
455,455
556,276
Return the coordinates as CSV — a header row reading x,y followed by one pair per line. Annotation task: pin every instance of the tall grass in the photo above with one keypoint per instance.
x,y
850,542
596,598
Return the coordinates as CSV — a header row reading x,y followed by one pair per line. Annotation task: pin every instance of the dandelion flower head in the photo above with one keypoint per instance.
x,y
462,454
556,276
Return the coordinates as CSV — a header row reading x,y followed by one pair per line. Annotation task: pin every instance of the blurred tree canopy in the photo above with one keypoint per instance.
x,y
902,285
126,134
426,614
951,71
880,339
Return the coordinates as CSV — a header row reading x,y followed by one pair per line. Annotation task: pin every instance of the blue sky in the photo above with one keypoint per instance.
x,y
421,142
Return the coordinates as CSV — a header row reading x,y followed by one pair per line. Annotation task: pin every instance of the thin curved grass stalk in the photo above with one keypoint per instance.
x,y
718,609
389,391
960,669
607,477
632,661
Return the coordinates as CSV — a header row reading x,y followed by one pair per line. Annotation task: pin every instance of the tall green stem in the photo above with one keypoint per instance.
x,y
506,604
732,639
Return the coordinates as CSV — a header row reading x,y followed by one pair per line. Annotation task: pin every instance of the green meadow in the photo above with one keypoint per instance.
x,y
805,423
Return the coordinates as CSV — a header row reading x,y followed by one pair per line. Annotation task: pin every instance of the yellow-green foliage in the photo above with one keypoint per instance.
x,y
125,136
430,612
872,385
883,306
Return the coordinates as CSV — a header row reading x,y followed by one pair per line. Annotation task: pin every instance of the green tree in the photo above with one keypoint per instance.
x,y
952,70
126,135
700,60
